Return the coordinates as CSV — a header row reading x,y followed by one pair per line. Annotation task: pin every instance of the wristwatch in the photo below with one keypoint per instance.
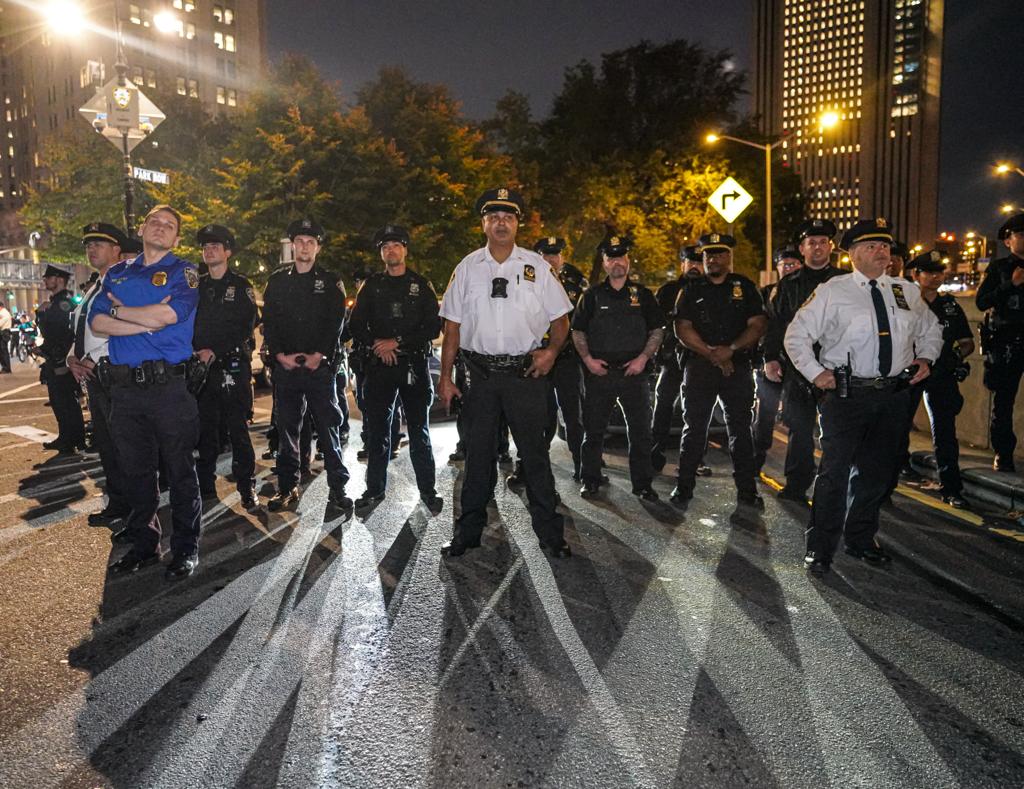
x,y
113,311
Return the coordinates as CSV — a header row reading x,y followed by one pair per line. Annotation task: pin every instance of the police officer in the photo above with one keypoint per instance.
x,y
303,316
501,301
671,355
867,326
799,405
148,308
899,254
720,319
617,330
225,320
1001,294
941,389
54,322
769,392
395,319
103,248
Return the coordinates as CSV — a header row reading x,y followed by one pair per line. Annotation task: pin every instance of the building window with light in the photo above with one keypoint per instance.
x,y
193,89
221,95
150,78
218,39
229,16
218,13
190,31
135,14
137,75
229,43
181,86
232,97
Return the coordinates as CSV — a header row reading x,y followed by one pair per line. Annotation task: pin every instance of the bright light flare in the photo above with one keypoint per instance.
x,y
711,138
1003,168
1008,209
829,120
166,22
65,18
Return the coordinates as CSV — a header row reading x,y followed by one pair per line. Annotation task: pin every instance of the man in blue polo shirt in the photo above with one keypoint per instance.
x,y
148,308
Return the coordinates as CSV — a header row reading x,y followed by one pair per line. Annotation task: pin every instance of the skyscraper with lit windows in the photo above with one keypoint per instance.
x,y
877,63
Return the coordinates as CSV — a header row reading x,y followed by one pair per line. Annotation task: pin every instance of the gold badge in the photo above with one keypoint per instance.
x,y
634,296
159,278
614,241
503,194
552,241
715,238
191,277
737,292
529,273
880,222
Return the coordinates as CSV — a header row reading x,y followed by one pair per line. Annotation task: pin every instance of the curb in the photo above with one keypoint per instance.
x,y
1002,490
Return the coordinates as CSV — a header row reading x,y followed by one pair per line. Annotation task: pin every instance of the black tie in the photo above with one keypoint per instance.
x,y
884,338
83,315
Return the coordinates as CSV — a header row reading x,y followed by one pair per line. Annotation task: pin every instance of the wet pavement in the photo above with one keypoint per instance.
x,y
673,649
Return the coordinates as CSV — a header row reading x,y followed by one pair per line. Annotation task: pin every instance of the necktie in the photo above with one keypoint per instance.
x,y
83,315
884,337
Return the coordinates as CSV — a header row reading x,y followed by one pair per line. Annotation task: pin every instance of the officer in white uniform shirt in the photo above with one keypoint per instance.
x,y
500,303
877,337
105,245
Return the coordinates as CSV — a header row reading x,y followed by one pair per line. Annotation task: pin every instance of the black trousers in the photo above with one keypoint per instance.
x,y
103,440
860,439
800,415
5,350
704,384
524,404
667,392
567,392
1002,377
462,420
396,419
382,387
229,407
769,393
158,423
943,401
64,400
633,392
297,390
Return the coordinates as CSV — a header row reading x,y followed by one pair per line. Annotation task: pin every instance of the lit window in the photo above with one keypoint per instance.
x,y
229,16
190,31
218,13
135,14
150,78
193,89
221,95
218,39
229,43
232,97
181,86
137,75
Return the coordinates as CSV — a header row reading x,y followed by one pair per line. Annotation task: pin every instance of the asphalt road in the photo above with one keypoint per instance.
x,y
673,649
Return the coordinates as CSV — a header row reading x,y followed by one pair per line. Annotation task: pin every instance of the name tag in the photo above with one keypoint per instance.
x,y
901,300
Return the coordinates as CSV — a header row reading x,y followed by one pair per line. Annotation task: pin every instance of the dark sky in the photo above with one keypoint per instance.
x,y
481,49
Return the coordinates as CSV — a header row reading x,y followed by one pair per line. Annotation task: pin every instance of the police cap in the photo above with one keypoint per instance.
x,y
785,253
615,246
900,250
391,233
549,246
54,271
868,230
929,261
714,242
306,227
1015,224
215,234
101,231
814,227
500,199
689,252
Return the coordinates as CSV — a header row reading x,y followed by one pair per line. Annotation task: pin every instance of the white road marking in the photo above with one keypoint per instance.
x,y
19,389
31,433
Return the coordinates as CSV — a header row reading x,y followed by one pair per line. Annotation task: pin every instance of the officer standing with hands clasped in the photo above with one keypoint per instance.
x,y
394,321
303,315
148,309
225,320
54,323
721,320
617,330
501,301
877,337
1001,294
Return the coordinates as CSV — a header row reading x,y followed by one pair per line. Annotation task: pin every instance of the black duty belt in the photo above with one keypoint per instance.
x,y
496,363
148,373
882,384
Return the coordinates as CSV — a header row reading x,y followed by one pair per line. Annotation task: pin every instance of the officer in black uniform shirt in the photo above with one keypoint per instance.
x,y
799,405
395,320
54,324
899,254
1002,295
303,315
941,389
671,356
617,330
225,320
720,319
769,392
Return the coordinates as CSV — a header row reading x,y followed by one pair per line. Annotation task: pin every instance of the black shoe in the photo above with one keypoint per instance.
x,y
250,500
269,455
338,500
647,494
131,562
284,499
590,490
792,495
872,554
433,502
999,463
658,461
517,478
181,567
557,550
457,456
107,517
55,444
457,546
957,501
505,459
362,454
122,536
908,474
368,500
680,496
704,471
577,477
750,500
817,565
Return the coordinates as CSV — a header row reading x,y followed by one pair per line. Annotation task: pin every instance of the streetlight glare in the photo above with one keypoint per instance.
x,y
1006,209
64,18
1002,168
830,119
166,22
711,138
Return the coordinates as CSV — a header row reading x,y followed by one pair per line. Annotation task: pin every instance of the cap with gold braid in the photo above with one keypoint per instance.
x,y
500,199
549,246
615,246
868,230
101,231
715,242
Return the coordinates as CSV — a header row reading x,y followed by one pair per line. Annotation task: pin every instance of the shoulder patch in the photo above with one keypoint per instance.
x,y
191,277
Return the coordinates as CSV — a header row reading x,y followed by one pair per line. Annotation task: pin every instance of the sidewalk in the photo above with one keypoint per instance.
x,y
981,483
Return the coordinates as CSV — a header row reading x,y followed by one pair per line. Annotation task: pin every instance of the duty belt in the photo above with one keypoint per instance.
x,y
880,383
500,363
148,373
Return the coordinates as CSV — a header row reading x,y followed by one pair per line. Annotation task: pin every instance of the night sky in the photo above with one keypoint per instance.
x,y
482,49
